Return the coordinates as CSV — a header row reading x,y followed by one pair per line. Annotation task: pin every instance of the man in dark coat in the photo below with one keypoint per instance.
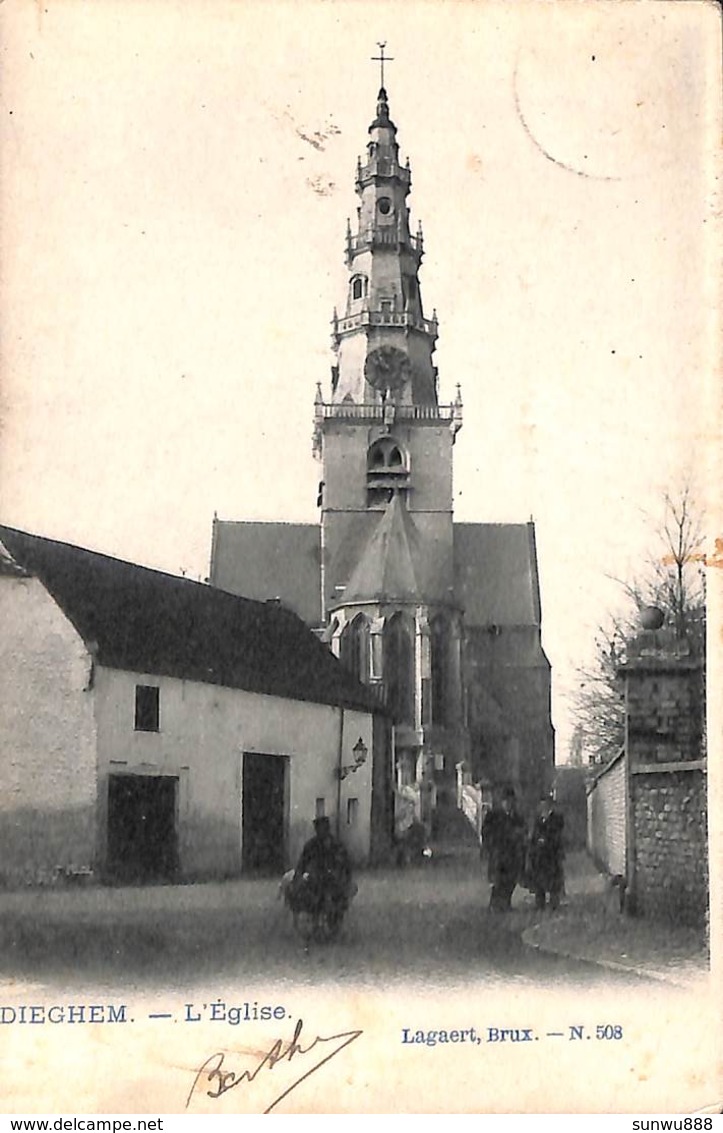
x,y
546,853
324,868
503,837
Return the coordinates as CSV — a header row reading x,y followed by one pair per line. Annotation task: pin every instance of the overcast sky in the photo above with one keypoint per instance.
x,y
177,179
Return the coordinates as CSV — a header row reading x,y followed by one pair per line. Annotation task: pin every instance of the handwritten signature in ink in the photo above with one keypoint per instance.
x,y
214,1079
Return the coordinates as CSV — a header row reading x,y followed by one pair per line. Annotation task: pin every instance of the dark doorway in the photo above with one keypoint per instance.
x,y
142,828
263,843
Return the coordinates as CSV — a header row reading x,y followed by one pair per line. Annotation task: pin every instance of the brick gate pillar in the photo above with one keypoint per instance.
x,y
667,829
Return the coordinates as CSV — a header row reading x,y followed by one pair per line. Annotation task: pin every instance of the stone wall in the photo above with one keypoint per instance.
x,y
667,821
671,845
664,723
606,818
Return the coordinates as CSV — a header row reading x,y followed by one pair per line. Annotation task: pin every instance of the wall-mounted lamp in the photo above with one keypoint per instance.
x,y
360,752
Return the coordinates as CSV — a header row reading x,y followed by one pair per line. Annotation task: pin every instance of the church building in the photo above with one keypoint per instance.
x,y
444,616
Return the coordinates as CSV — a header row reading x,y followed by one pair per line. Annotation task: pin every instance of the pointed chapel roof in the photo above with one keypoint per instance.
x,y
390,566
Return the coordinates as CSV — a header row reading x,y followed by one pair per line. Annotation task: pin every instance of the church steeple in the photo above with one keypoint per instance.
x,y
384,439
383,341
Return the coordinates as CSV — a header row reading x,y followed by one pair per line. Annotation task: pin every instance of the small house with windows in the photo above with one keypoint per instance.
x,y
156,728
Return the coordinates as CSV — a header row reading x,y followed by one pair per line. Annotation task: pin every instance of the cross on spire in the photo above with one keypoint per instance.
x,y
382,59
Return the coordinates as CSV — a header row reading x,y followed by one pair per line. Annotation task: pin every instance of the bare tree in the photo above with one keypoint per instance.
x,y
673,580
597,702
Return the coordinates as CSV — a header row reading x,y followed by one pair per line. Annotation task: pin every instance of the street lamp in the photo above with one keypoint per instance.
x,y
360,752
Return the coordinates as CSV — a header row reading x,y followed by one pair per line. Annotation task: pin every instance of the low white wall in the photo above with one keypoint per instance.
x,y
606,818
47,739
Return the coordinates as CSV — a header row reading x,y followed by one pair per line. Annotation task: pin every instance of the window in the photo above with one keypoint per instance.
x,y
387,470
375,656
386,455
352,811
355,648
320,808
147,708
384,205
405,769
440,671
399,669
356,288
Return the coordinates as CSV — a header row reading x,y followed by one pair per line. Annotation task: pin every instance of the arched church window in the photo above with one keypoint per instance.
x,y
439,640
357,287
387,453
354,654
398,652
387,470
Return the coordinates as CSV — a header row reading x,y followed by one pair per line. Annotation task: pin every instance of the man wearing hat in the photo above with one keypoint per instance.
x,y
503,837
325,868
546,853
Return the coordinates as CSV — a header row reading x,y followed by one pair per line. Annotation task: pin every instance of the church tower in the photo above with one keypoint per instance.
x,y
443,617
385,443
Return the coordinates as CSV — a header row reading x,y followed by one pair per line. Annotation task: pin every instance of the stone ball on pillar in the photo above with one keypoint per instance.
x,y
651,617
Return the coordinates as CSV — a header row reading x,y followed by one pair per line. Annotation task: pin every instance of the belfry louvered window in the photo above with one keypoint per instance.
x,y
387,471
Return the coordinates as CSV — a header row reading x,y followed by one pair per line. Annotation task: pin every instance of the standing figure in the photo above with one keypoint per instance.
x,y
546,853
503,837
322,882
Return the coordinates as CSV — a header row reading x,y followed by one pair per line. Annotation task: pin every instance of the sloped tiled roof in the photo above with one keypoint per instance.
x,y
495,570
270,560
495,566
146,621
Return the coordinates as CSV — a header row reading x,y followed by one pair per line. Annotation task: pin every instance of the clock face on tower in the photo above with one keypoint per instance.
x,y
387,368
